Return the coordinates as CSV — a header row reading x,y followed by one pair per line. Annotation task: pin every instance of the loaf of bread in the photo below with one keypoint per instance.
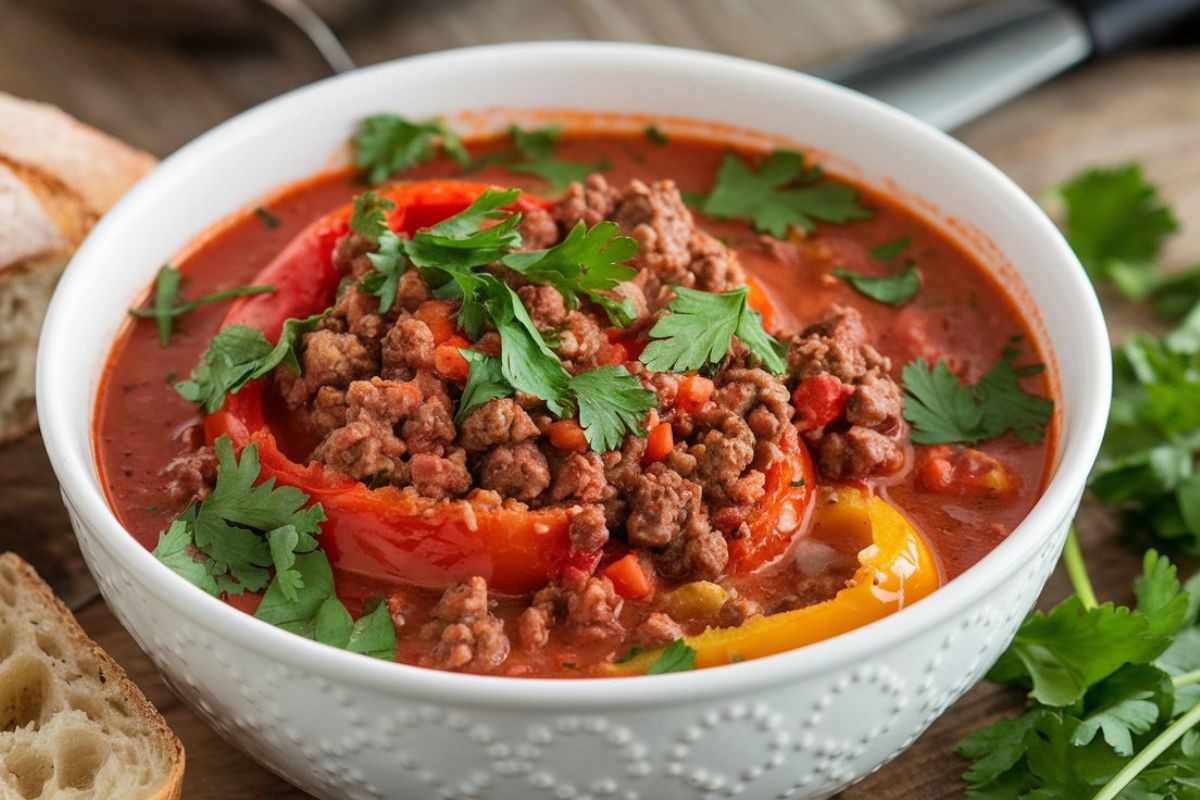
x,y
72,724
57,176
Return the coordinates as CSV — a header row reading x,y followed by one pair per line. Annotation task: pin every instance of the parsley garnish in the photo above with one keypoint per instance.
x,y
485,382
239,354
942,410
168,305
385,144
1117,225
782,193
893,290
242,529
535,149
889,250
588,263
267,218
698,330
1112,690
611,402
675,657
655,136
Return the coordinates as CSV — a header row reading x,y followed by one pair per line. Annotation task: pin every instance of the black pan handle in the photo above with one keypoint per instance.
x,y
1116,24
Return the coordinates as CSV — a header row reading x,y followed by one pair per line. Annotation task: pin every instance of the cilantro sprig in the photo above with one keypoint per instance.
x,y
893,290
232,541
1112,696
168,305
239,354
941,409
586,263
678,656
385,144
782,193
699,327
534,154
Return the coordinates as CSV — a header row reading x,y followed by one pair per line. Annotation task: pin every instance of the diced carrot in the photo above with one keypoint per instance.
x,y
819,400
629,577
612,354
757,299
437,315
449,362
659,442
566,434
694,392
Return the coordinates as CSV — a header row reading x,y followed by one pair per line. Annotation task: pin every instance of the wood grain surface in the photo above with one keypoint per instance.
x,y
158,95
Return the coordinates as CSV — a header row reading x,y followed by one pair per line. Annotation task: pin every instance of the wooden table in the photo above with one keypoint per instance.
x,y
159,95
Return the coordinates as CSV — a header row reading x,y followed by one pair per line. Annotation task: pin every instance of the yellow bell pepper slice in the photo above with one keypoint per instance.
x,y
896,568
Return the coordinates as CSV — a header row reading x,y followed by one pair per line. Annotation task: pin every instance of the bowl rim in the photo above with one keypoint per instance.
x,y
75,470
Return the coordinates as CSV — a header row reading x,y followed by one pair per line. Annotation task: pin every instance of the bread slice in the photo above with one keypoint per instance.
x,y
72,724
57,176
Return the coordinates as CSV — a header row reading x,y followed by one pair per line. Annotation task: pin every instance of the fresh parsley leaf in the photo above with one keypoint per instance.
x,y
317,613
264,214
168,305
368,218
385,144
675,657
536,149
611,403
893,290
528,363
655,136
175,549
698,330
1117,225
889,250
941,409
782,193
588,263
485,382
462,242
239,354
1123,706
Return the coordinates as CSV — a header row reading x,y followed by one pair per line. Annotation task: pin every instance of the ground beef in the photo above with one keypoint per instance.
x,y
350,255
589,529
430,427
578,478
362,449
538,229
862,432
736,610
438,477
496,422
715,266
407,349
759,397
534,624
360,312
657,219
655,630
328,410
411,291
661,505
593,609
519,471
724,452
468,635
590,202
545,305
328,359
579,341
191,475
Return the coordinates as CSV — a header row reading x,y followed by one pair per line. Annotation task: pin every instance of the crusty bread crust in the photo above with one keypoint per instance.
x,y
32,592
57,176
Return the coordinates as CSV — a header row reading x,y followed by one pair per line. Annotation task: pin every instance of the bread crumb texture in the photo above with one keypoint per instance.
x,y
72,725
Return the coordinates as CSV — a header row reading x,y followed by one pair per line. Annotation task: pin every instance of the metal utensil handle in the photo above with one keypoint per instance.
x,y
314,28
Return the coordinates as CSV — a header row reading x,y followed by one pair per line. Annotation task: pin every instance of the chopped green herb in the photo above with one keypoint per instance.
x,y
796,484
1117,225
892,290
385,144
675,657
485,382
590,263
942,410
654,135
611,403
239,354
889,250
782,193
633,653
699,328
168,305
268,219
535,149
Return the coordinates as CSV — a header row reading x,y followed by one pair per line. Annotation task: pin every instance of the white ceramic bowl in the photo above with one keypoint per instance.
x,y
801,724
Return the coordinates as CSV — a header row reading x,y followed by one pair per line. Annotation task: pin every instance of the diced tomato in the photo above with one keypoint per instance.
x,y
566,434
694,392
437,315
448,361
819,400
659,443
964,471
612,354
629,577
